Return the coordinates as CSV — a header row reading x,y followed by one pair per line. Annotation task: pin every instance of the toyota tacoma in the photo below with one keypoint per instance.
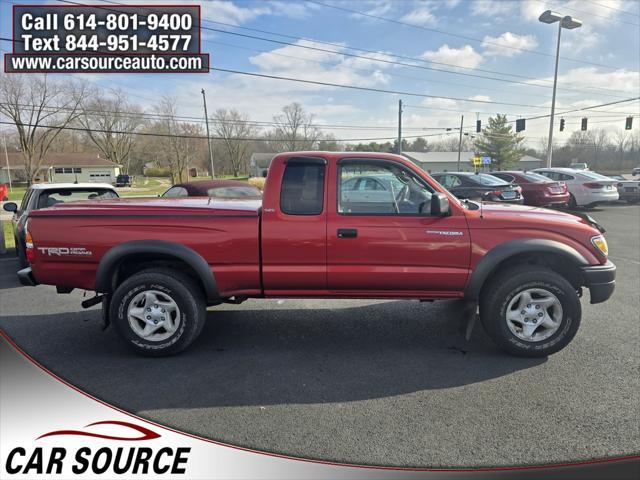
x,y
330,225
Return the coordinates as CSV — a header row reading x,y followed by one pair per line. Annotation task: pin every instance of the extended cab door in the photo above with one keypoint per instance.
x,y
294,227
387,242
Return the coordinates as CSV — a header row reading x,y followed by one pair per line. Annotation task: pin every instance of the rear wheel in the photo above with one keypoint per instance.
x,y
158,311
530,311
572,201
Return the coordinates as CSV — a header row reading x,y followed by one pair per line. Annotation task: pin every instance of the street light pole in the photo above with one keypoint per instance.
x,y
206,118
553,99
569,23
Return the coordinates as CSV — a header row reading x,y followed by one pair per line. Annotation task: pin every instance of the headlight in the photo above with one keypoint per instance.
x,y
601,244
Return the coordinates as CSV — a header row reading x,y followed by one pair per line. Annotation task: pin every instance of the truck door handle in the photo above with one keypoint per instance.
x,y
347,233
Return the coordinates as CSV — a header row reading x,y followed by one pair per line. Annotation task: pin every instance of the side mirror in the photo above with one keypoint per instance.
x,y
10,207
439,205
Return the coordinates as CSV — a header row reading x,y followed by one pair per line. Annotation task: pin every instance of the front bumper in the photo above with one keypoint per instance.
x,y
600,280
26,277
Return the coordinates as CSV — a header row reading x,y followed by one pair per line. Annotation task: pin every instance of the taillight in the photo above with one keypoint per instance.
x,y
28,240
593,185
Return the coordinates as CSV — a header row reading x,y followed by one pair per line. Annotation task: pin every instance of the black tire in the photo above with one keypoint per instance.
x,y
572,202
502,289
179,288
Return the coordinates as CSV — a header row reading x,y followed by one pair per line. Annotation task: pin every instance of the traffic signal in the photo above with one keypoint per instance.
x,y
479,126
583,127
628,123
520,123
562,124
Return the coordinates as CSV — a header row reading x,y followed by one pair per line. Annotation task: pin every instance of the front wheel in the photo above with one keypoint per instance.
x,y
530,311
158,312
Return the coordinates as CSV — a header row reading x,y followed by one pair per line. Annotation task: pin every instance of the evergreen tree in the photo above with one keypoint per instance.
x,y
501,143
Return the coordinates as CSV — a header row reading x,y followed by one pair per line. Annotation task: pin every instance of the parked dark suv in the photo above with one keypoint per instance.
x,y
479,186
124,180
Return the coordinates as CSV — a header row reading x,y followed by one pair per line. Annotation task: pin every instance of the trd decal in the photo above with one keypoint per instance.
x,y
62,251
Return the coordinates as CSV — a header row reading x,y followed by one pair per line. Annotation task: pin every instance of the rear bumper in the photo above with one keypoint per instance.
x,y
601,281
26,277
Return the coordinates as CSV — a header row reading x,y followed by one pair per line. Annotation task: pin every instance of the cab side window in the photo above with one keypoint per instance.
x,y
380,188
302,191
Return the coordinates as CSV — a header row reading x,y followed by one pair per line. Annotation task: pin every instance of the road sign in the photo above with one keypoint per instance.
x,y
477,161
486,160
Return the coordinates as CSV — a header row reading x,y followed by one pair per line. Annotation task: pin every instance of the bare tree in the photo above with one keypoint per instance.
x,y
621,139
295,129
110,121
600,139
40,108
234,130
179,140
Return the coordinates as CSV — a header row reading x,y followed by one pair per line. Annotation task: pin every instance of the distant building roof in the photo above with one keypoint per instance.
x,y
261,160
16,160
448,157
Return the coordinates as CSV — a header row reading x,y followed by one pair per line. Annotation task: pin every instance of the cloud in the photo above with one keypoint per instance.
x,y
439,103
493,8
597,15
531,9
228,12
461,57
511,41
484,98
420,16
624,81
322,66
585,40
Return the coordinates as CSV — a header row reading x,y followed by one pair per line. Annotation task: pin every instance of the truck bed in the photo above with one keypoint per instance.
x,y
224,232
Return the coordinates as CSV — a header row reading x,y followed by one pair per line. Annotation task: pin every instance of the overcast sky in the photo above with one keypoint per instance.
x,y
469,39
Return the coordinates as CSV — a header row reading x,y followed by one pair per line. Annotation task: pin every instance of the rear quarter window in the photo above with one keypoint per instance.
x,y
302,191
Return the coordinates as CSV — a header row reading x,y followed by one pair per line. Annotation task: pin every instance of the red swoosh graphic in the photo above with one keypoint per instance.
x,y
146,433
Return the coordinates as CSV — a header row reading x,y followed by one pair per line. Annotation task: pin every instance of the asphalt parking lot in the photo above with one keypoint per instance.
x,y
369,382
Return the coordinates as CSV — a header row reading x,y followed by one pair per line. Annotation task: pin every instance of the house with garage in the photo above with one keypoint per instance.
x,y
259,164
62,168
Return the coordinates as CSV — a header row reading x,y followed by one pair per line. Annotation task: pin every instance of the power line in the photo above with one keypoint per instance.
x,y
474,87
614,8
204,137
558,113
193,119
378,60
591,14
442,32
370,89
391,54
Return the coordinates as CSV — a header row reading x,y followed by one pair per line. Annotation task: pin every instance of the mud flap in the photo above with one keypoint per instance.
x,y
106,320
468,317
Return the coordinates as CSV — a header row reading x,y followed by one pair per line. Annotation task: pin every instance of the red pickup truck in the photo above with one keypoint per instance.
x,y
330,225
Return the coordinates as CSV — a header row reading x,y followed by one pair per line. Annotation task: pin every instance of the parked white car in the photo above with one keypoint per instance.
x,y
586,188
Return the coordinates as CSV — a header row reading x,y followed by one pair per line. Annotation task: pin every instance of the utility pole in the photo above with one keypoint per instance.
x,y
399,127
460,141
6,157
206,117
